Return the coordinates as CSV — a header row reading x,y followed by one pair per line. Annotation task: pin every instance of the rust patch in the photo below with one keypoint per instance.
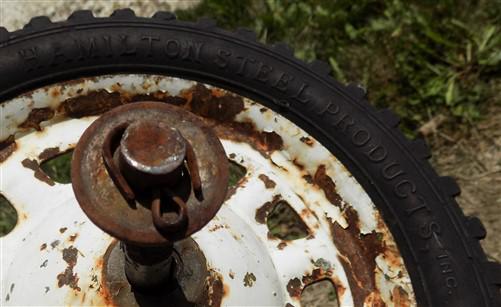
x,y
357,255
351,216
305,213
268,183
63,229
374,299
264,142
391,255
7,148
263,211
37,116
249,279
308,179
217,227
315,275
93,103
70,255
55,92
323,271
308,141
55,243
73,237
107,290
22,217
161,97
212,105
219,110
217,92
328,186
68,278
282,245
231,274
215,289
39,174
297,164
271,141
294,287
43,246
49,153
218,107
400,297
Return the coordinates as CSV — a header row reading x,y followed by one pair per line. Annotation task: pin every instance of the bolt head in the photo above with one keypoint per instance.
x,y
152,148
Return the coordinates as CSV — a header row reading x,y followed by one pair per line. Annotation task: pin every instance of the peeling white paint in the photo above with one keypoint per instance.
x,y
46,208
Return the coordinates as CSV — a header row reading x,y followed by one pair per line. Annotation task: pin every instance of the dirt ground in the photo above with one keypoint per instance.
x,y
473,158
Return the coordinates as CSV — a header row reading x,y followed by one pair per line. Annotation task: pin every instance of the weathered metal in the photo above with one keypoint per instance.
x,y
145,158
348,242
188,286
131,221
152,148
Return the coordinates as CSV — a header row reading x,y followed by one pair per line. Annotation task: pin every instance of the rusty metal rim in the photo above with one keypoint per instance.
x,y
261,124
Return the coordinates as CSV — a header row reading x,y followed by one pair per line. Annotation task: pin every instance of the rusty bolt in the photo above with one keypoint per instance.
x,y
151,154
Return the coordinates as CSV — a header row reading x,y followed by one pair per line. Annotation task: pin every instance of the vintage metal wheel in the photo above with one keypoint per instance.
x,y
332,231
322,186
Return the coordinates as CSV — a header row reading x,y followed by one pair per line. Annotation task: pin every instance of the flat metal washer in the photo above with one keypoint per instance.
x,y
100,199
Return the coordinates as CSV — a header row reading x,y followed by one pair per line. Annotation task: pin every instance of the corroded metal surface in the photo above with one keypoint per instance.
x,y
152,148
191,271
100,199
347,243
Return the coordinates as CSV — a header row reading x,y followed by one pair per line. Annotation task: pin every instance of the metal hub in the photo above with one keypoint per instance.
x,y
150,197
155,171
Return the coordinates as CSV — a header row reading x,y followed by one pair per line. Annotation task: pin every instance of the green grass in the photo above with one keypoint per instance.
x,y
284,223
59,167
421,58
8,216
236,172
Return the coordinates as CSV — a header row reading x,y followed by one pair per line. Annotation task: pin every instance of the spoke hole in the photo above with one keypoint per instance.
x,y
58,168
284,223
8,216
320,293
237,172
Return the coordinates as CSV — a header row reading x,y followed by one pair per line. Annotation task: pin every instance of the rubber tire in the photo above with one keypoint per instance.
x,y
440,246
